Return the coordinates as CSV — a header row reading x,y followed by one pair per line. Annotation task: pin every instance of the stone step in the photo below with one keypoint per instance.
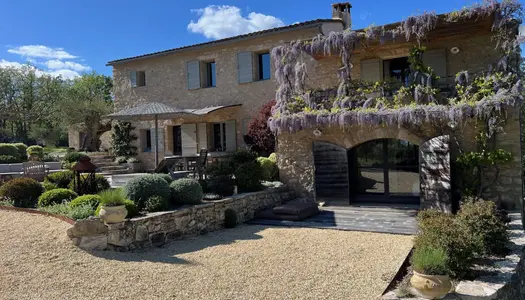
x,y
115,172
110,164
112,168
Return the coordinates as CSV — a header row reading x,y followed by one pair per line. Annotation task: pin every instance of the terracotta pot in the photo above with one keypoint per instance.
x,y
431,286
113,214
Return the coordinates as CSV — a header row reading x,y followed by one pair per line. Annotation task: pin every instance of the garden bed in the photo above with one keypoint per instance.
x,y
155,229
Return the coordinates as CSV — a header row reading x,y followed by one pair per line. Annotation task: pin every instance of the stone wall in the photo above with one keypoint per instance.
x,y
296,163
156,229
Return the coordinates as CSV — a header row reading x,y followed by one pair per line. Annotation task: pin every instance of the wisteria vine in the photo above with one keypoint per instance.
x,y
299,108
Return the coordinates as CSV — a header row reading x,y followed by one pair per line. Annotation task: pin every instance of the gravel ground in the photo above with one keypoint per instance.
x,y
248,262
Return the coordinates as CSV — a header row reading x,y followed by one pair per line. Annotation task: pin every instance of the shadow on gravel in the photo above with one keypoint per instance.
x,y
169,251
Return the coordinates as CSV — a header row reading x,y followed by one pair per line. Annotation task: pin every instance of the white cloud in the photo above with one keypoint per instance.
x,y
41,51
10,64
56,64
217,22
65,73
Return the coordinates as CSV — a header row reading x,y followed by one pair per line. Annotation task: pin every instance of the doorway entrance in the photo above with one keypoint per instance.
x,y
385,171
177,140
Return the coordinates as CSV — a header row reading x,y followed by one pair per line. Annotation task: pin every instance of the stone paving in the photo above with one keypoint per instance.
x,y
381,219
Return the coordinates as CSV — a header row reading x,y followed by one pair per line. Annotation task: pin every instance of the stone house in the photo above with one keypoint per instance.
x,y
330,154
223,83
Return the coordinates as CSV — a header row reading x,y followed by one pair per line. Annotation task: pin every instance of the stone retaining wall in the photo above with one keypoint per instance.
x,y
158,228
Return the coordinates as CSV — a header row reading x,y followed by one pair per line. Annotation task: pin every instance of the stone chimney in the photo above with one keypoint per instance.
x,y
341,11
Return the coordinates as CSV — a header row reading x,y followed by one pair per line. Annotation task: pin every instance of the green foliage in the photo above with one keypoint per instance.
x,y
22,150
78,212
482,220
74,156
483,86
430,261
132,160
186,191
36,151
219,178
8,159
248,177
23,192
56,196
268,168
121,160
92,200
156,203
440,230
9,150
230,218
242,156
112,197
140,189
60,179
166,177
273,157
122,138
101,184
48,186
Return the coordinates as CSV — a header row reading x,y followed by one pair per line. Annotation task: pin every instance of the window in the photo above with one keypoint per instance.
x,y
397,69
210,74
147,147
219,137
137,78
263,66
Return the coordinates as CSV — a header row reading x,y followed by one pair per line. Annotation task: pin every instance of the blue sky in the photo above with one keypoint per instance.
x,y
70,37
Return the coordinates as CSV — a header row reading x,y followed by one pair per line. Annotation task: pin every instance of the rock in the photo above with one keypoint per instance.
x,y
141,233
87,227
121,238
158,239
94,242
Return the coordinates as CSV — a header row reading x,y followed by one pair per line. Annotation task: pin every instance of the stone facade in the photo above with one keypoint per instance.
x,y
156,229
296,162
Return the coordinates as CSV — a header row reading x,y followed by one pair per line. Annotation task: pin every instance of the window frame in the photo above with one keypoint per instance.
x,y
222,135
260,66
211,74
137,79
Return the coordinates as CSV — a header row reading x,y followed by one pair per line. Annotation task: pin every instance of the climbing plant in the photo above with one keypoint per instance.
x,y
122,138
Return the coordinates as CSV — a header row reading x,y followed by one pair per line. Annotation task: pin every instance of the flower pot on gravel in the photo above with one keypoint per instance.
x,y
113,214
431,286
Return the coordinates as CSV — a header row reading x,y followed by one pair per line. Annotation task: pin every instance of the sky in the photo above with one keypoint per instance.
x,y
68,38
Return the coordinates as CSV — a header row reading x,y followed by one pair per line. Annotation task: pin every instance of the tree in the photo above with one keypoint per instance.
x,y
86,101
259,137
122,137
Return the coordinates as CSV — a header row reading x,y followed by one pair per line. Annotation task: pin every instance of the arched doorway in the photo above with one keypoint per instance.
x,y
384,171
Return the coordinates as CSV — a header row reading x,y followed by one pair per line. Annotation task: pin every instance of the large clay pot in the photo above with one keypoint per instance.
x,y
113,214
431,286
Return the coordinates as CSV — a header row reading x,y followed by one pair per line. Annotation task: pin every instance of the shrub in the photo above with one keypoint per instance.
x,y
82,211
268,168
72,157
221,185
439,230
430,261
273,157
56,196
156,203
132,160
49,157
101,184
22,151
186,191
60,179
112,197
259,136
122,139
9,159
9,150
48,186
130,207
36,150
166,177
482,219
243,156
230,218
121,160
93,200
211,196
23,192
248,177
139,189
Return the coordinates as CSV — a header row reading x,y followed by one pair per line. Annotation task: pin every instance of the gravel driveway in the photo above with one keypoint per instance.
x,y
248,262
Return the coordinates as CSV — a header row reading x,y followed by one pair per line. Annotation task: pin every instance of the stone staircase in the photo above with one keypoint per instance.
x,y
108,166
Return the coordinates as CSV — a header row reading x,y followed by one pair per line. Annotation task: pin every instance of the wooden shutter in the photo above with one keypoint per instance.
x,y
245,67
371,70
133,78
231,136
189,139
161,139
437,60
194,79
203,136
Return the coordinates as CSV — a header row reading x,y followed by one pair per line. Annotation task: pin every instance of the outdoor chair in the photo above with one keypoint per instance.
x,y
35,169
198,166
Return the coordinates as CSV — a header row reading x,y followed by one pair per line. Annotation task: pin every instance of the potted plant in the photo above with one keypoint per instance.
x,y
112,206
134,165
430,277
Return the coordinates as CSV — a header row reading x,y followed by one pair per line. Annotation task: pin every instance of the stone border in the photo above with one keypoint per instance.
x,y
156,229
508,279
38,212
